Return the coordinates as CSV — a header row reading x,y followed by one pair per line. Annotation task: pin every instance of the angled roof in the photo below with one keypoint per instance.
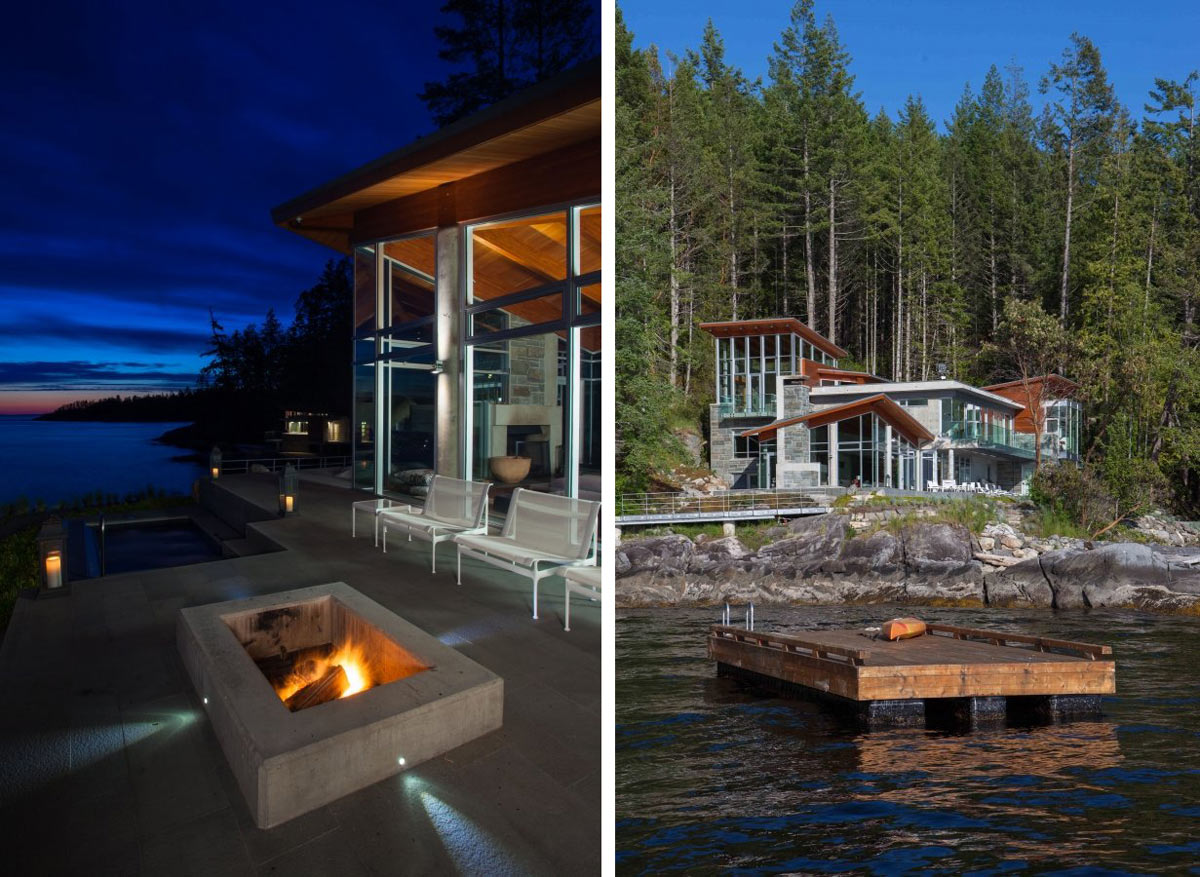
x,y
880,405
559,112
930,387
1056,381
773,326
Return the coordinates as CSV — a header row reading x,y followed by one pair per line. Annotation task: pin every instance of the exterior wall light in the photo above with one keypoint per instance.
x,y
289,490
52,552
214,463
438,367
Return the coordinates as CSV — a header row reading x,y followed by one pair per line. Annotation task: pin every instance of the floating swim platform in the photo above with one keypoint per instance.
x,y
977,670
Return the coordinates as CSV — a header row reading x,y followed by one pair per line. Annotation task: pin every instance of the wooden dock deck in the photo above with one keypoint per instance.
x,y
977,668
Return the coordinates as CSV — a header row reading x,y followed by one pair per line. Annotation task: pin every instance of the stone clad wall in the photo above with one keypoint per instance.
x,y
720,450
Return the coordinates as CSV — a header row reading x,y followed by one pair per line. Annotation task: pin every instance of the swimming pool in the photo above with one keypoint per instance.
x,y
130,546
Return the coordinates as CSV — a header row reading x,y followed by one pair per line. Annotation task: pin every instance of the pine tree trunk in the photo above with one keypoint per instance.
x,y
810,276
992,268
674,231
733,253
1150,258
833,264
1066,270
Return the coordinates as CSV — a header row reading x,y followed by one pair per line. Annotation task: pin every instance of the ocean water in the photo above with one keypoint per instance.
x,y
715,776
61,460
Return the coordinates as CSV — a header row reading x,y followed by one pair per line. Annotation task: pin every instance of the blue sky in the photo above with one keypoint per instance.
x,y
933,47
142,148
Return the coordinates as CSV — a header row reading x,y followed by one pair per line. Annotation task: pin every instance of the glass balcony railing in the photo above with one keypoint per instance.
x,y
756,406
1021,444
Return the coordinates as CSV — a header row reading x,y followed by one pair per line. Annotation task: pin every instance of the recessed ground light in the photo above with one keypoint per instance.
x,y
400,761
206,700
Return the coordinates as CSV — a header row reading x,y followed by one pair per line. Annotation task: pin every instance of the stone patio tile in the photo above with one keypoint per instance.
x,y
170,751
209,845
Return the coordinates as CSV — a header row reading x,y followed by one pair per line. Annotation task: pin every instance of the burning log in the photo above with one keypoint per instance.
x,y
331,686
303,662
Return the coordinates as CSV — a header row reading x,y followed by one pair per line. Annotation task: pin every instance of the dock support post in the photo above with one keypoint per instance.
x,y
1055,707
891,713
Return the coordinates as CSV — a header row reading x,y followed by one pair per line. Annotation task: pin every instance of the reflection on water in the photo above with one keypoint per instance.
x,y
714,775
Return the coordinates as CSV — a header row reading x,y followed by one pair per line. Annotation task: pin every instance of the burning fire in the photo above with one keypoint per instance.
x,y
350,657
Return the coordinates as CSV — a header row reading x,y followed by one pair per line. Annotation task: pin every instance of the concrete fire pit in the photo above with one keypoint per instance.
x,y
288,763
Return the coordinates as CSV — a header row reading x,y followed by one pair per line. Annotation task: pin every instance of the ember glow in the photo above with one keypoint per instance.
x,y
350,657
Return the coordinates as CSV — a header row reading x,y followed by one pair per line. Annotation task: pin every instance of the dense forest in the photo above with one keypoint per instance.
x,y
256,373
1075,228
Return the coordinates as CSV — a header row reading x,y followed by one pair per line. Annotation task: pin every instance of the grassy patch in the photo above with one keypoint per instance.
x,y
18,570
754,535
1050,521
974,513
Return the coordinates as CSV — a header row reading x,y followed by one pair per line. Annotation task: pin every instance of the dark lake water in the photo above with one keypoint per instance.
x,y
59,460
713,776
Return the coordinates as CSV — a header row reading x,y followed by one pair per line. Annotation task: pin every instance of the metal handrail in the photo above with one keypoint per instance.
x,y
719,501
274,464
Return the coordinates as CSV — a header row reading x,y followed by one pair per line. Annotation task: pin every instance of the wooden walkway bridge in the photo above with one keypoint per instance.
x,y
721,505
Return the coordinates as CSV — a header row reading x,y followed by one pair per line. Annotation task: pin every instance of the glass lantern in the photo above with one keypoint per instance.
x,y
52,553
289,490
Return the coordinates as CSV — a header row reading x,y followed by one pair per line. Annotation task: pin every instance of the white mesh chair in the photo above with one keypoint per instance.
x,y
452,508
542,534
584,580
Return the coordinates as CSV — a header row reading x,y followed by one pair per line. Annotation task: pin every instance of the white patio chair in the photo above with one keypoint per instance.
x,y
542,533
453,507
932,487
584,580
949,484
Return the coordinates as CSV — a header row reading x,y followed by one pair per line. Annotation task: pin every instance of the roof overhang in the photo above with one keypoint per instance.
x,y
930,388
553,115
883,407
774,326
1055,382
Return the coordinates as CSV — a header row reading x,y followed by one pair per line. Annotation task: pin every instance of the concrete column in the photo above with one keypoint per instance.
x,y
451,348
833,455
950,461
887,456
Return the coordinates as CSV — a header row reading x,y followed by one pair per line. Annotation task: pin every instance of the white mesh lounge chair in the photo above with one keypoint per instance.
x,y
585,580
452,508
542,533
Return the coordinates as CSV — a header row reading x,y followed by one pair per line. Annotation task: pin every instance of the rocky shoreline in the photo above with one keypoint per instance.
x,y
819,560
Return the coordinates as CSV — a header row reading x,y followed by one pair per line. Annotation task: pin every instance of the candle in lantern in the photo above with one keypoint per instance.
x,y
54,570
289,503
216,472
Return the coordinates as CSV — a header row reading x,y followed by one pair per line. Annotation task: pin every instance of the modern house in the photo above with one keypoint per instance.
x,y
477,293
787,415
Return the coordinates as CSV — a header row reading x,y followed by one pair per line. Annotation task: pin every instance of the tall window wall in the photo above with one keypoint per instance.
x,y
532,361
747,367
394,401
1064,421
862,453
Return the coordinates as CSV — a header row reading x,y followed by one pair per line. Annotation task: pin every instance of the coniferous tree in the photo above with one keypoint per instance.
x,y
506,45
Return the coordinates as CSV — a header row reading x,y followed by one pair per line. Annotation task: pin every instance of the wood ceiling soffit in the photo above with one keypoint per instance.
x,y
529,142
563,175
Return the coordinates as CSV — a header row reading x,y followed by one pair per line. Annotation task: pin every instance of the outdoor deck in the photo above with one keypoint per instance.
x,y
109,764
980,668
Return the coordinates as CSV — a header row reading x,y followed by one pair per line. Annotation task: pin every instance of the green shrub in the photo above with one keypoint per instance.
x,y
18,569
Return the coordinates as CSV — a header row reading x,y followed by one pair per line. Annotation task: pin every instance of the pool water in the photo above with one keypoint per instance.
x,y
129,547
714,775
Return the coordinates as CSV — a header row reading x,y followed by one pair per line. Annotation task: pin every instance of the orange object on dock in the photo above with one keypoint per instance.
x,y
903,628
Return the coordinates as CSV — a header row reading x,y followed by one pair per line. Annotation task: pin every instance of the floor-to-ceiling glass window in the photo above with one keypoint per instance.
x,y
394,400
406,361
532,364
363,422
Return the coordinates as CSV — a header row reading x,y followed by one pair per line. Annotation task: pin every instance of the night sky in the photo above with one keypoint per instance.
x,y
142,147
